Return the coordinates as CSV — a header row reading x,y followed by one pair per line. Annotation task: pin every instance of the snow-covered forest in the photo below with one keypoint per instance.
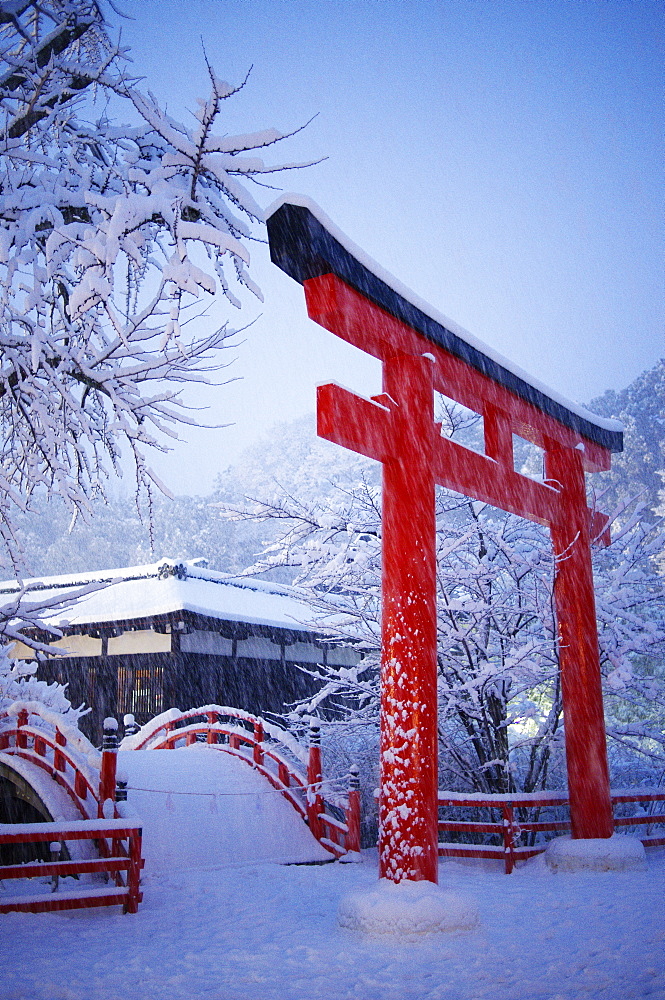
x,y
290,460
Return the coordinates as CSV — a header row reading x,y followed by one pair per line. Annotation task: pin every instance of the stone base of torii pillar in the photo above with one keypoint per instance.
x,y
616,853
406,908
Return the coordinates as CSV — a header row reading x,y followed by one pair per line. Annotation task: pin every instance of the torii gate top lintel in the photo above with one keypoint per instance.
x,y
340,280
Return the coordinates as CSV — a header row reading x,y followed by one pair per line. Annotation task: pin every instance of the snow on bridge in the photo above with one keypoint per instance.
x,y
210,788
204,809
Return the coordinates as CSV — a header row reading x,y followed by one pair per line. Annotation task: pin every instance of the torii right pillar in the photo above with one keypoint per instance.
x,y
586,745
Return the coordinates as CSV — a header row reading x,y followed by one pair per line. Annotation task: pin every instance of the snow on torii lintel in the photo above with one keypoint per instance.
x,y
306,244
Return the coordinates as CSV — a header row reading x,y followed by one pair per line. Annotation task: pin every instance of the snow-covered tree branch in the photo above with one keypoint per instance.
x,y
114,238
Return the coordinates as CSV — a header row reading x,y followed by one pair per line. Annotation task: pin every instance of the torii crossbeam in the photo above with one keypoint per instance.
x,y
346,295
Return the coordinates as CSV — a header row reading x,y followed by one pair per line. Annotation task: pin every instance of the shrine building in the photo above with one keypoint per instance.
x,y
147,638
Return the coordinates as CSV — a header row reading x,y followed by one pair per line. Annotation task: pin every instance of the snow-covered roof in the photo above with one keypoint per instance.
x,y
161,589
306,244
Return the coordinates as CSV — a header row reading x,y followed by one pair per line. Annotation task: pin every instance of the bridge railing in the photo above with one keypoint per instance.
x,y
58,749
274,753
31,732
121,864
520,819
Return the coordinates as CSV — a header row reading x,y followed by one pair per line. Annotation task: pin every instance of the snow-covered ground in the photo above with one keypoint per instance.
x,y
216,925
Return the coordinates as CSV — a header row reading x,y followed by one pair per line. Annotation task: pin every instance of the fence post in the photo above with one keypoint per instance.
x,y
109,764
283,774
80,786
121,788
59,761
54,850
21,738
353,811
212,719
129,724
258,740
314,799
508,837
134,872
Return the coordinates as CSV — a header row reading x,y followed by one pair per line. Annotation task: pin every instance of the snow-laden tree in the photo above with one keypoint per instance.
x,y
660,512
641,409
500,710
18,681
114,238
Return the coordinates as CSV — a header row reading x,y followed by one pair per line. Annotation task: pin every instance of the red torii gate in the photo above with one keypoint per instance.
x,y
397,428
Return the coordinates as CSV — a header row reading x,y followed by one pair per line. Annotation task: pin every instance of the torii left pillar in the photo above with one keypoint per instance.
x,y
408,847
399,433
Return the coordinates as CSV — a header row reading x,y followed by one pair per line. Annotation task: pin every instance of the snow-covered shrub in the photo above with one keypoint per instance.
x,y
18,683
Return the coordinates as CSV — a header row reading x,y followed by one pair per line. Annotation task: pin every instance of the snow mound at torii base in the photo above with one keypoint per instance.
x,y
616,853
405,908
203,808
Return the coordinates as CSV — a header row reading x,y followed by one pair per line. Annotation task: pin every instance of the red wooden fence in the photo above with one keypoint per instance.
x,y
89,779
122,863
507,833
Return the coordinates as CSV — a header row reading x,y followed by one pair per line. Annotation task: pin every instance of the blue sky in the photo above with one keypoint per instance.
x,y
502,159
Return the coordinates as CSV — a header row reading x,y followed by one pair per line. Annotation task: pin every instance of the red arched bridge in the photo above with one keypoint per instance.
x,y
69,814
77,795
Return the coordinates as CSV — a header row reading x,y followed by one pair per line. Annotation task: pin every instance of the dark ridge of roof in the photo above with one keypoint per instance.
x,y
303,248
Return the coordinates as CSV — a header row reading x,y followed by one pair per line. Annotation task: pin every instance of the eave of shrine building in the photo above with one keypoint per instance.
x,y
172,607
343,285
